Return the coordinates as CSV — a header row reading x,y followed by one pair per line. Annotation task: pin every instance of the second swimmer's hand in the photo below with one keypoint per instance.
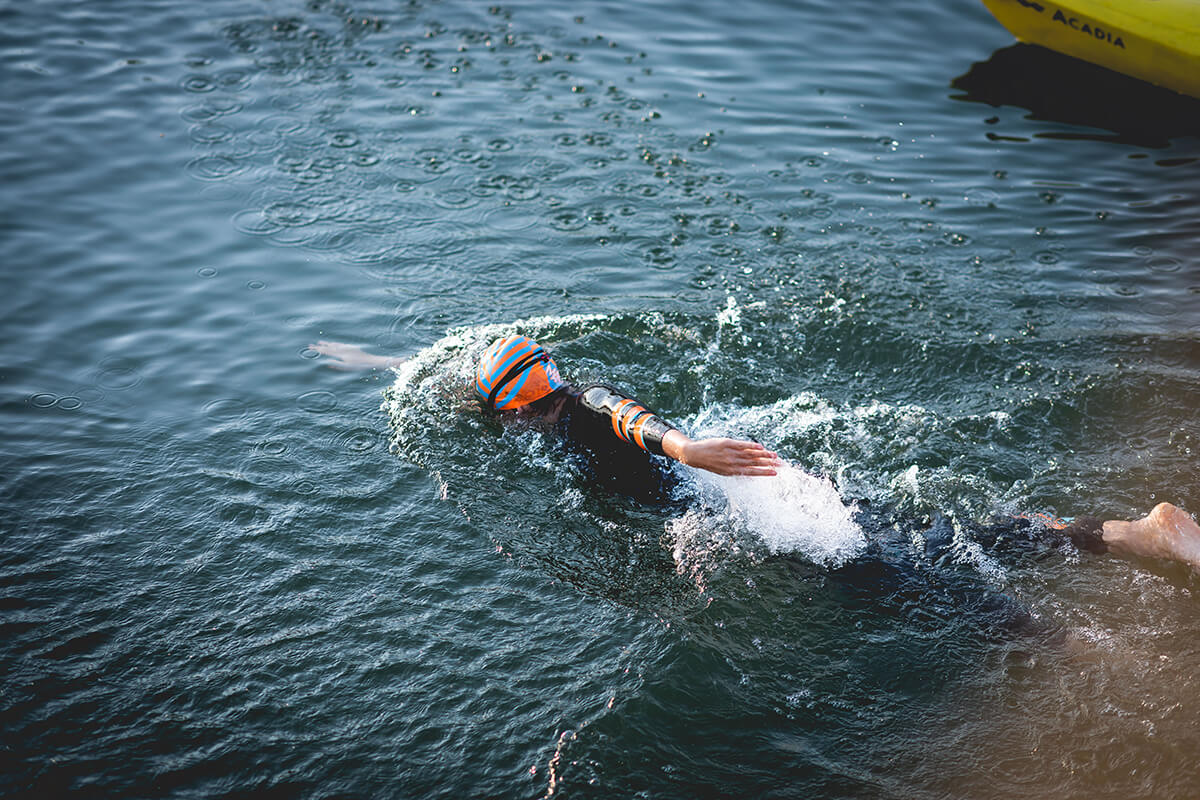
x,y
721,456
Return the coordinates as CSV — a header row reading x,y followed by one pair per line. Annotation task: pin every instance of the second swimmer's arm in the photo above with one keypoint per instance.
x,y
722,456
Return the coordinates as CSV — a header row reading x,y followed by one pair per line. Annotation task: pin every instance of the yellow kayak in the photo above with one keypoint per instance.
x,y
1155,40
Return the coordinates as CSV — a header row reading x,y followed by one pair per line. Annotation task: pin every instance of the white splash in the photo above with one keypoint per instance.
x,y
792,512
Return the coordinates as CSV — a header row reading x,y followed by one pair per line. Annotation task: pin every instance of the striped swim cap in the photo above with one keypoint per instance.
x,y
513,372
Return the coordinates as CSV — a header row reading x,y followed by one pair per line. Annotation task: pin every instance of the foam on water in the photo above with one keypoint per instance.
x,y
792,512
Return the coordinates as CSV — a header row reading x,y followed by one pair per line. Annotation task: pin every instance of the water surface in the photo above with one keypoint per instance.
x,y
951,275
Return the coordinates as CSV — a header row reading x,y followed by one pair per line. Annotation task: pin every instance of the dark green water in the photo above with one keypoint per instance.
x,y
955,276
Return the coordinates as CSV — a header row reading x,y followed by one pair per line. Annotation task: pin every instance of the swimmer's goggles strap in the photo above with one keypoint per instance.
x,y
512,372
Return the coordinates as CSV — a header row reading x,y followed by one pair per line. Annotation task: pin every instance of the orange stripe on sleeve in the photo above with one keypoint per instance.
x,y
616,418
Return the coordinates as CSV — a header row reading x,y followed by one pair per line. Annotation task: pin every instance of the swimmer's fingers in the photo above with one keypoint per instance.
x,y
730,457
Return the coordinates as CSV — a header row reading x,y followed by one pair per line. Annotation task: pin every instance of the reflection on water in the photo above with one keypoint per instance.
x,y
1059,88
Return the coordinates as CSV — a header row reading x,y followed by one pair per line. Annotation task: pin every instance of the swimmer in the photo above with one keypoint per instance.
x,y
518,381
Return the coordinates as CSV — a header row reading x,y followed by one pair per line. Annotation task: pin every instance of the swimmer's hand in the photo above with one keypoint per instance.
x,y
348,356
722,456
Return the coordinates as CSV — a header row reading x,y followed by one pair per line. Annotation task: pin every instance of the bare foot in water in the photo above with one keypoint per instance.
x,y
348,356
1166,532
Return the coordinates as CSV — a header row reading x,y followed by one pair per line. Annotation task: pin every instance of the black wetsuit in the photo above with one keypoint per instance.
x,y
619,440
621,444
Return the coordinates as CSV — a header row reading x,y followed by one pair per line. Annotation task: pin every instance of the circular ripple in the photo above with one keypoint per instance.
x,y
359,440
282,124
213,168
1164,264
272,447
198,83
43,399
509,219
263,141
568,219
117,375
253,221
343,138
234,78
207,272
210,109
455,198
305,486
226,408
210,133
68,403
256,285
263,470
291,214
318,401
521,190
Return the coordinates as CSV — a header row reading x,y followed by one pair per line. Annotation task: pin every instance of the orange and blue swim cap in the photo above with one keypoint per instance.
x,y
513,372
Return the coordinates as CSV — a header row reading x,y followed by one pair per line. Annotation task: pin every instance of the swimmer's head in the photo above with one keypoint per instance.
x,y
513,372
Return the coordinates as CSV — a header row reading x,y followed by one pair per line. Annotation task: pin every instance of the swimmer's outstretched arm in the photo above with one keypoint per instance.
x,y
1167,532
634,423
348,356
722,456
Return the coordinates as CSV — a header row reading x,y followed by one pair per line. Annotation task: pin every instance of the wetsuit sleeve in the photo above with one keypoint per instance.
x,y
631,421
1086,533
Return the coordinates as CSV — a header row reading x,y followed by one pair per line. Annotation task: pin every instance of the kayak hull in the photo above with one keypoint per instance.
x,y
1155,40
